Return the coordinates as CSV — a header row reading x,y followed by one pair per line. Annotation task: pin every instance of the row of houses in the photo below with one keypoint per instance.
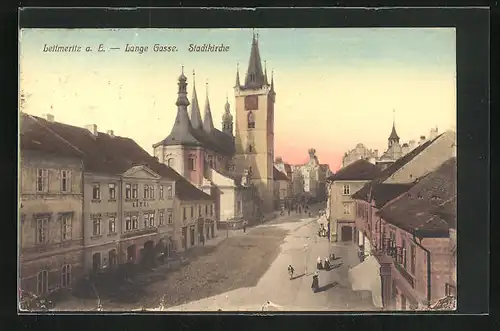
x,y
91,201
403,219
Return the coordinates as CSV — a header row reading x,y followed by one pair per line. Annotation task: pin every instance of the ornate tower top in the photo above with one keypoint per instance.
x,y
393,137
227,119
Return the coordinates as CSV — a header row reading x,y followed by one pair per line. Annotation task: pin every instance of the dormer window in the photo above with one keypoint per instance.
x,y
190,163
252,78
251,120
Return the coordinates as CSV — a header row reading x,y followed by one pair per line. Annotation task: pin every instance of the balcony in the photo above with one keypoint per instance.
x,y
139,232
405,274
389,248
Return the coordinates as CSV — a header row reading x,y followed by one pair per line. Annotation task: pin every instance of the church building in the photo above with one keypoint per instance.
x,y
236,168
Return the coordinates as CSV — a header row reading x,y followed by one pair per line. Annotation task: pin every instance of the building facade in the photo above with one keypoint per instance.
x,y
309,179
358,153
50,211
340,204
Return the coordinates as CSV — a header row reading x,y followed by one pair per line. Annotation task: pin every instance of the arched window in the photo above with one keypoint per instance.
x,y
251,120
171,162
66,276
250,148
252,78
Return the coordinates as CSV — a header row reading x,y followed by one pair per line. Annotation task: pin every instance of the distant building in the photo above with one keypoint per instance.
x,y
313,176
358,153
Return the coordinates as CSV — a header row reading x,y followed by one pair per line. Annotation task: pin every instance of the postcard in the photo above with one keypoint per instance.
x,y
210,170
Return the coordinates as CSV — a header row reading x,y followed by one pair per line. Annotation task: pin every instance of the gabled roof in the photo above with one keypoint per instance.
x,y
358,170
362,194
383,193
113,155
278,175
36,137
415,211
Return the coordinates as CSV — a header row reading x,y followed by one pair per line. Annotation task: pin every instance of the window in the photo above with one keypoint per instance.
x,y
151,191
146,191
65,181
112,224
152,219
128,191
251,120
112,191
184,214
135,222
403,249
128,223
346,190
211,209
450,290
206,209
146,220
161,219
169,192
347,208
250,148
42,280
66,276
190,163
96,226
66,227
210,161
171,162
96,191
199,211
161,192
135,191
170,217
192,211
413,259
42,180
42,230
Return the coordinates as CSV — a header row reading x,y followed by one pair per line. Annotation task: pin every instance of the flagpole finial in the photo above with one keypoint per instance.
x,y
182,69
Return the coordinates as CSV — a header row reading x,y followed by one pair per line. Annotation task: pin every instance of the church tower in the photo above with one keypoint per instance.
x,y
393,137
227,119
254,126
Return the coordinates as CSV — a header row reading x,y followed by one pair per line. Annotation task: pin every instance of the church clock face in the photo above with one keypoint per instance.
x,y
251,102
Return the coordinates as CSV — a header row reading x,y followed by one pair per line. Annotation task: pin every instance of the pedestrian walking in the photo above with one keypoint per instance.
x,y
244,226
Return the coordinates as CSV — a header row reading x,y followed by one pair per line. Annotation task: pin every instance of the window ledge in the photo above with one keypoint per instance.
x,y
112,234
96,201
96,236
112,200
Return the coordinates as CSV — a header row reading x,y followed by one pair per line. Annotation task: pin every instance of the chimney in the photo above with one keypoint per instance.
x,y
92,128
110,133
49,117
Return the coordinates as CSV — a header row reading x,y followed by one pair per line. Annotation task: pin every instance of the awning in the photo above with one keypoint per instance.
x,y
366,277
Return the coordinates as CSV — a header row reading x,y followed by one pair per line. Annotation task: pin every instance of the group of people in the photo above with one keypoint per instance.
x,y
326,264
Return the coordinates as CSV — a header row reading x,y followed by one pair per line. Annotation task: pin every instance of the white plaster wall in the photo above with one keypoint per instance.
x,y
227,203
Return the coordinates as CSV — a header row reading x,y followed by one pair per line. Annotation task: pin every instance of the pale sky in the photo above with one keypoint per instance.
x,y
334,87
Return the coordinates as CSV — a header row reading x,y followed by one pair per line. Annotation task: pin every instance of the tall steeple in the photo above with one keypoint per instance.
x,y
272,81
227,119
265,73
393,137
254,78
196,120
208,123
237,84
182,130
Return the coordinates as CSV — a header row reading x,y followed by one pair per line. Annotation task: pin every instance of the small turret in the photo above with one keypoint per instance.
x,y
227,119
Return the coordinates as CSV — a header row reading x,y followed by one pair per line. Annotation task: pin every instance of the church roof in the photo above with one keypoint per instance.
x,y
394,135
255,77
196,120
114,155
208,123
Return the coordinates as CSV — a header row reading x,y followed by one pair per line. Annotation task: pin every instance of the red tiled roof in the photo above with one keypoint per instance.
x,y
35,137
278,175
415,210
359,170
113,155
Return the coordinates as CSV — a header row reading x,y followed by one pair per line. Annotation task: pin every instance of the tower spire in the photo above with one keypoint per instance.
x,y
254,78
227,118
265,73
272,80
196,120
237,84
393,137
208,124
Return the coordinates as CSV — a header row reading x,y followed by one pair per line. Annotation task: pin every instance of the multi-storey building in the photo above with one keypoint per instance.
x,y
129,207
340,204
50,212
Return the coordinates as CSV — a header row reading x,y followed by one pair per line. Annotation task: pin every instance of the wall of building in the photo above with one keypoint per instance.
x,y
337,200
175,153
61,246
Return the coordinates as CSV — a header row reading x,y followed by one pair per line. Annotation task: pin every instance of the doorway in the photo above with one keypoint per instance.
x,y
346,233
96,262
